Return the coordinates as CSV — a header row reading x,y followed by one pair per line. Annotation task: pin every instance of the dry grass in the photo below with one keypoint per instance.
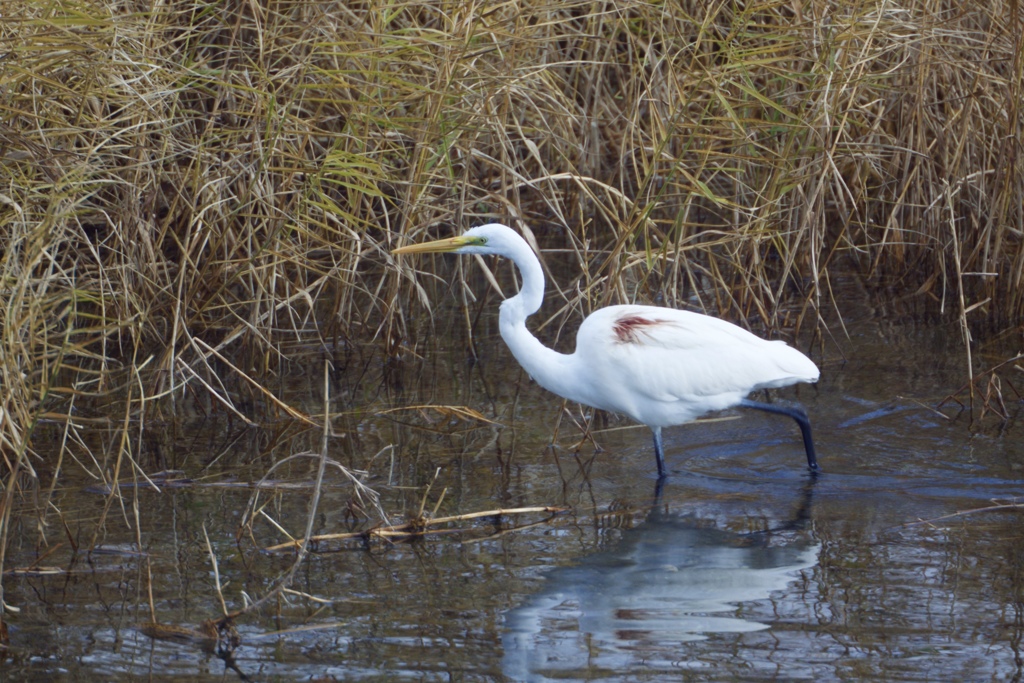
x,y
185,186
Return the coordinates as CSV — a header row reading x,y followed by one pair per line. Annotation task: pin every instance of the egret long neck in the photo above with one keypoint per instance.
x,y
551,369
531,295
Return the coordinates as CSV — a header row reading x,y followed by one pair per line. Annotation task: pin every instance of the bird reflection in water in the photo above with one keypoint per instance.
x,y
669,581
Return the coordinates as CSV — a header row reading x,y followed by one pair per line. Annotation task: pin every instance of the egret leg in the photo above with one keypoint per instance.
x,y
798,414
659,452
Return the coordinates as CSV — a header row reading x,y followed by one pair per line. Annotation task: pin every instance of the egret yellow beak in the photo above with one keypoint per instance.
x,y
439,246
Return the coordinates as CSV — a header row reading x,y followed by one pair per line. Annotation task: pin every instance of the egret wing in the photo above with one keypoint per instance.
x,y
644,354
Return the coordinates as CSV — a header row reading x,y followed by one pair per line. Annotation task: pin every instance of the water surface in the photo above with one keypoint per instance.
x,y
742,567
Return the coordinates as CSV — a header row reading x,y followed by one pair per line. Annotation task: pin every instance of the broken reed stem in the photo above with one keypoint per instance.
x,y
965,329
322,465
417,526
216,574
149,588
256,385
285,580
6,505
959,514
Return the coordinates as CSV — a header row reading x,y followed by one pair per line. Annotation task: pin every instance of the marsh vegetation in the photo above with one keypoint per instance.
x,y
198,200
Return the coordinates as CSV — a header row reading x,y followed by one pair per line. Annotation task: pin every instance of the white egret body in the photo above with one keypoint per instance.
x,y
659,366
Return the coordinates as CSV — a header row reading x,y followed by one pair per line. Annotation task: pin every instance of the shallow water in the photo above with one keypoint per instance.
x,y
742,567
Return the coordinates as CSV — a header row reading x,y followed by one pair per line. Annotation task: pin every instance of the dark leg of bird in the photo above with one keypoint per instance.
x,y
659,487
798,414
659,452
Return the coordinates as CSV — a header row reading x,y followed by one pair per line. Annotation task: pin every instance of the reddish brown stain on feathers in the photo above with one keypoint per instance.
x,y
628,328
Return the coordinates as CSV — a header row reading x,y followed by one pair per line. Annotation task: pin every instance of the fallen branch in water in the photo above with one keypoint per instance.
x,y
998,507
417,527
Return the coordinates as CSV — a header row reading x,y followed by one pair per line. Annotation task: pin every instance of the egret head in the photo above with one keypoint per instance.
x,y
492,238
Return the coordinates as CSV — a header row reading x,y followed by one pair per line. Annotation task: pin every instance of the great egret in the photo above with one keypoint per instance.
x,y
659,366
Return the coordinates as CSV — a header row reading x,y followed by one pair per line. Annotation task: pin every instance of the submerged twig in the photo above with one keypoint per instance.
x,y
216,572
418,527
999,507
